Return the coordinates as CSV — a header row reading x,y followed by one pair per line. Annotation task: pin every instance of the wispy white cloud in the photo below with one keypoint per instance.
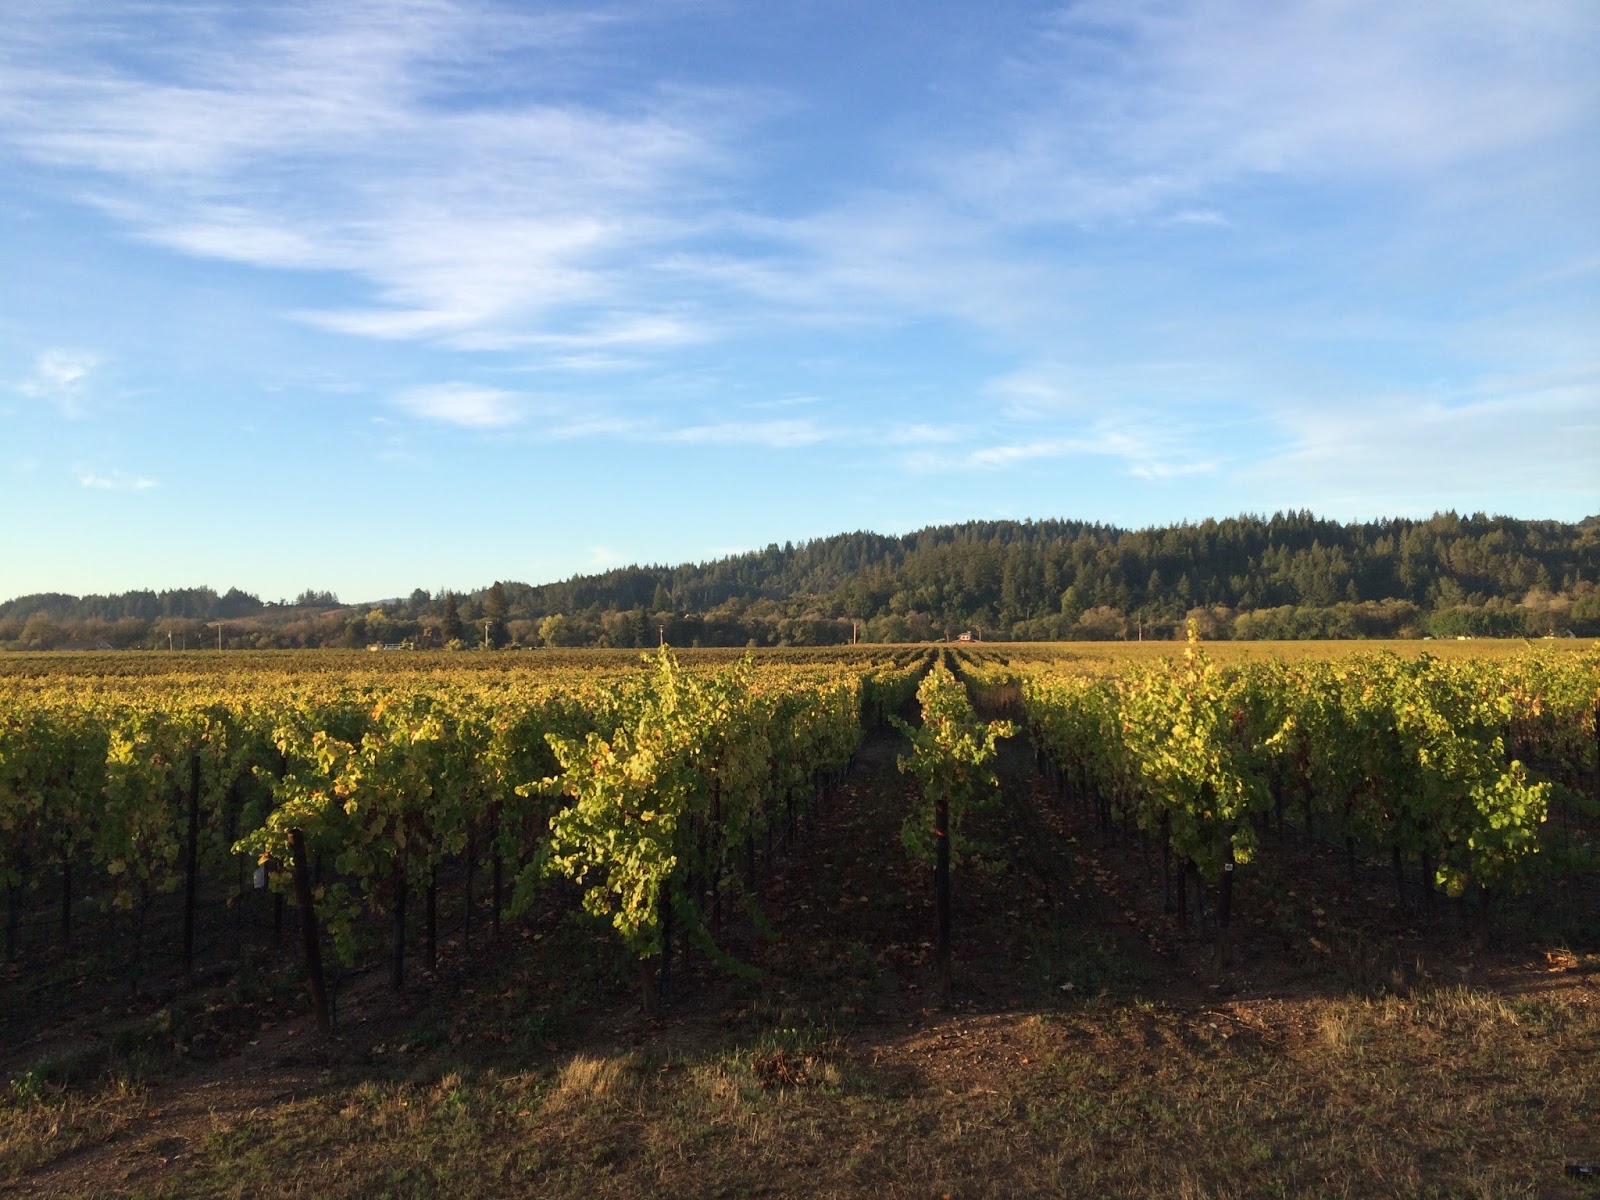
x,y
922,433
1164,115
1038,390
1196,216
1135,415
362,139
596,344
785,402
1046,390
1144,454
775,434
588,363
1124,110
492,187
61,376
882,258
115,481
463,404
599,426
1535,433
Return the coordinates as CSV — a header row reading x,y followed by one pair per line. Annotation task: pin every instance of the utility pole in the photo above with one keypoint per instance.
x,y
219,635
486,633
853,627
661,630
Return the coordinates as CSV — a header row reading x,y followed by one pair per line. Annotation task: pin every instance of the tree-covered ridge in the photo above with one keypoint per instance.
x,y
1289,575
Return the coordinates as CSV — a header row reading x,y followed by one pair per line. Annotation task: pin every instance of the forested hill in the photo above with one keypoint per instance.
x,y
1291,575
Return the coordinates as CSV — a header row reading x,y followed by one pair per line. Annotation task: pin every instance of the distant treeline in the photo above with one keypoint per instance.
x,y
1292,575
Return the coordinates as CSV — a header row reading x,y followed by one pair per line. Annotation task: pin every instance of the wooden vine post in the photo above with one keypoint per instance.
x,y
308,931
191,864
941,893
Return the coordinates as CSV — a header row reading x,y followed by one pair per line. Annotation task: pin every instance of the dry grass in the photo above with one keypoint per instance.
x,y
1457,1092
40,1124
1453,1092
589,1081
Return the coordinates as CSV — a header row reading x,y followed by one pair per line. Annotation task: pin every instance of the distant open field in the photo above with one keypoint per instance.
x,y
1252,651
199,663
73,663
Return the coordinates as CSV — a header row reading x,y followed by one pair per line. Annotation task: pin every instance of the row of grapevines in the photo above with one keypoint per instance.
x,y
1414,755
146,793
662,811
379,778
952,755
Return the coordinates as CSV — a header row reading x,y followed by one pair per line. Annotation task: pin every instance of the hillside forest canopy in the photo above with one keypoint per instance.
x,y
1289,576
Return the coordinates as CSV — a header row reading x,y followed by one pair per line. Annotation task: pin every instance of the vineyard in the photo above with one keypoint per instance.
x,y
169,825
348,794
1450,770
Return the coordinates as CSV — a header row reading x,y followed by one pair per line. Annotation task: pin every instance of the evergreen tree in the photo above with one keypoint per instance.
x,y
494,613
450,626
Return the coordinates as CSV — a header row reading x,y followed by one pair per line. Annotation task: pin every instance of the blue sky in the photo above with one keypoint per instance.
x,y
371,296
